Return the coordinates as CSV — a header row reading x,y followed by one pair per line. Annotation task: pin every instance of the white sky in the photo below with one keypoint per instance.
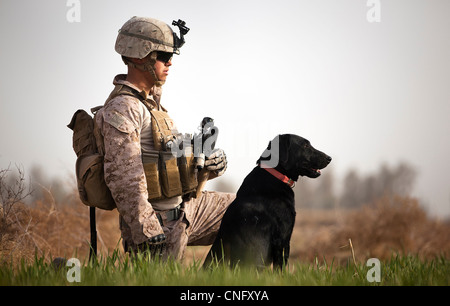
x,y
365,93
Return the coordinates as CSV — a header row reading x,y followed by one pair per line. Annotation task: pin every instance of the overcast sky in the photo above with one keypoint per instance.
x,y
366,93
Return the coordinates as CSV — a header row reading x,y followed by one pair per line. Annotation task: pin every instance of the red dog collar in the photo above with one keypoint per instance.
x,y
280,176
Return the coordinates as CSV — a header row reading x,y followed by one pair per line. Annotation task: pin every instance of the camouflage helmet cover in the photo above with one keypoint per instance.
x,y
141,35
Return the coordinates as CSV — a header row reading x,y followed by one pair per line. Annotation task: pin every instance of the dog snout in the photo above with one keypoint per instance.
x,y
328,158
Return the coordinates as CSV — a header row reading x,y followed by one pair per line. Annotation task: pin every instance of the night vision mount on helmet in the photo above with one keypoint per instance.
x,y
179,42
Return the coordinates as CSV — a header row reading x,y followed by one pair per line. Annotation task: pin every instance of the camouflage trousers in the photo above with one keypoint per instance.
x,y
198,224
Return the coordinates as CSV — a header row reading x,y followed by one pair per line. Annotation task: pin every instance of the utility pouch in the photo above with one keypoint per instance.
x,y
150,161
163,129
169,175
188,175
91,183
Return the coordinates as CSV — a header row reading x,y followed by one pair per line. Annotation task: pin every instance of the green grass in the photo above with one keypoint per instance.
x,y
117,269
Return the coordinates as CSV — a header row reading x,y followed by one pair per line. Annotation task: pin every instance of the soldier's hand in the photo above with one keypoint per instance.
x,y
158,239
217,161
155,245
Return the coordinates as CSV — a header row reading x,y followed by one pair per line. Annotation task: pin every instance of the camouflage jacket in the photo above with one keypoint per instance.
x,y
121,123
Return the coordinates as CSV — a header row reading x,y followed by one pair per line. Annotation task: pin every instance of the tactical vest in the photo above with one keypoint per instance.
x,y
167,175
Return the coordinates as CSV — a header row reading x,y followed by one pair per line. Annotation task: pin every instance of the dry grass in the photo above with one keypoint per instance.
x,y
53,230
389,225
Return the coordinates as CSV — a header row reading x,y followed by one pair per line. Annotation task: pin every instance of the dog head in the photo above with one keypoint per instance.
x,y
294,156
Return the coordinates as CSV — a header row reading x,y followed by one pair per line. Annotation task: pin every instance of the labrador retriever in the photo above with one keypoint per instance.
x,y
256,228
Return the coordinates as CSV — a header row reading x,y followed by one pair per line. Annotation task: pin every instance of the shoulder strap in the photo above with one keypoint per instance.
x,y
121,89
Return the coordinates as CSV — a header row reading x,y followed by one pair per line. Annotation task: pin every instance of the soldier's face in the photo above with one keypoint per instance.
x,y
162,69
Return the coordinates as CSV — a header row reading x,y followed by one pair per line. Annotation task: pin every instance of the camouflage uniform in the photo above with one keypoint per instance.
x,y
121,122
124,123
198,224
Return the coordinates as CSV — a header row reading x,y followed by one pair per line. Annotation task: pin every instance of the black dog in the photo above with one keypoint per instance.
x,y
256,228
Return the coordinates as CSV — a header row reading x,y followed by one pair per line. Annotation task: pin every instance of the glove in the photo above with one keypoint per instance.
x,y
158,239
217,162
155,245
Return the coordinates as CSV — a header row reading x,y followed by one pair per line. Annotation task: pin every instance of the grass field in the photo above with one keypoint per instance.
x,y
328,247
117,269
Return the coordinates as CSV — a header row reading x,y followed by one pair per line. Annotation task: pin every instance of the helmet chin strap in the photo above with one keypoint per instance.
x,y
149,66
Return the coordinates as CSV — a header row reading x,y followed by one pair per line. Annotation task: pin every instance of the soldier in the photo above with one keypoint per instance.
x,y
147,46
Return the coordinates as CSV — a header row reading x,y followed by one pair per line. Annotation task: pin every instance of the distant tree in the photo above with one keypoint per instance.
x,y
45,186
316,193
357,191
13,190
352,193
403,179
325,191
304,194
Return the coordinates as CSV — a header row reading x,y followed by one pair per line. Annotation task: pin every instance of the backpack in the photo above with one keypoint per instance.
x,y
87,143
89,171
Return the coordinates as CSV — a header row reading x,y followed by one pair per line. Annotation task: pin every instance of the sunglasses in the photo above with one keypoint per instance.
x,y
164,57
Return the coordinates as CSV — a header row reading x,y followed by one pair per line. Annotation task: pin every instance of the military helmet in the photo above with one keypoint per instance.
x,y
141,35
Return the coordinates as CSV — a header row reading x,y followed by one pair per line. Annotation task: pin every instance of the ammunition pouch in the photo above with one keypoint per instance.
x,y
163,129
168,176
